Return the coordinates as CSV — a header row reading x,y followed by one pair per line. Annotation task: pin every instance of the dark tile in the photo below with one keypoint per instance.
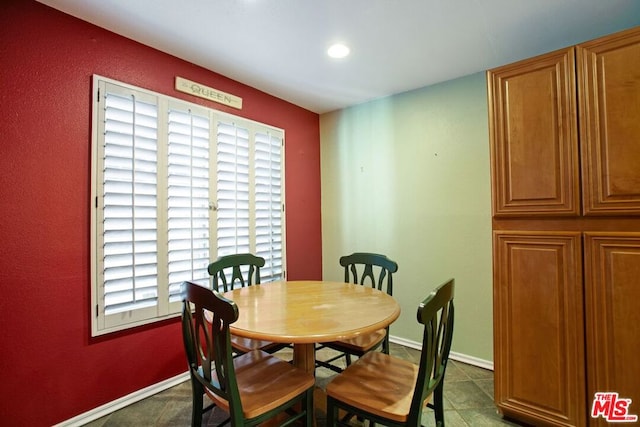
x,y
99,422
467,395
451,419
486,386
181,390
484,417
407,353
145,412
176,413
455,373
474,372
213,418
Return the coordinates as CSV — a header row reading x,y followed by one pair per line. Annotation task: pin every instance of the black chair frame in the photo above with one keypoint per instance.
x,y
436,313
209,352
235,262
368,263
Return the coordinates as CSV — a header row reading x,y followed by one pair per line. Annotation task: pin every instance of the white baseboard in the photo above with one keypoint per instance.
x,y
120,403
470,360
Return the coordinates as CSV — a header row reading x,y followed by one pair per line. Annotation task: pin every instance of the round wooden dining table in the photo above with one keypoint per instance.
x,y
309,312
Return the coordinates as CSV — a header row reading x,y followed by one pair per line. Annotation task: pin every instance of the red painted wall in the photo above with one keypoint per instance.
x,y
50,367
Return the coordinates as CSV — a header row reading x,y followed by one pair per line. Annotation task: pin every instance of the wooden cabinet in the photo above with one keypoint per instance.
x,y
534,137
609,93
565,167
538,323
612,285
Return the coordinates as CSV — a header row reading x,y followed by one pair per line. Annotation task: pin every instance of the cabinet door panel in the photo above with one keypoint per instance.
x,y
612,288
534,148
609,81
538,330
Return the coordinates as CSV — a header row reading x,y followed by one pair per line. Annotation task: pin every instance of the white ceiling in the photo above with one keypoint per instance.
x,y
279,46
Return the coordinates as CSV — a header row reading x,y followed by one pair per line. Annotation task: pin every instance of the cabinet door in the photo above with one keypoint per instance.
x,y
533,134
539,327
609,93
612,281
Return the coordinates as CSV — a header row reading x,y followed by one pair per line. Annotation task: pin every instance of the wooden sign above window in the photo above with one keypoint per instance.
x,y
215,95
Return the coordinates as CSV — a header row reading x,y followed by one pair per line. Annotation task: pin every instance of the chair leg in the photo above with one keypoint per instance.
x,y
348,356
308,402
438,404
332,412
196,408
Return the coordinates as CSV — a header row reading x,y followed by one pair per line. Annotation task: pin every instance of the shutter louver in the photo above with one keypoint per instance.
x,y
130,192
188,200
268,204
232,189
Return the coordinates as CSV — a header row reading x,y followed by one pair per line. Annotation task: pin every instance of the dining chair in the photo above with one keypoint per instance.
x,y
239,270
392,391
253,387
362,268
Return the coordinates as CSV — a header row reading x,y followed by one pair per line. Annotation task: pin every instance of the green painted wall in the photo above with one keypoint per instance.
x,y
408,176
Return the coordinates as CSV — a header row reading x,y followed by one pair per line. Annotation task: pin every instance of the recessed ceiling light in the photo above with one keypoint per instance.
x,y
338,50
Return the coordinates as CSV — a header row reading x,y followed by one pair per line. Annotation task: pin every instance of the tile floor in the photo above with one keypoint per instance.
x,y
468,393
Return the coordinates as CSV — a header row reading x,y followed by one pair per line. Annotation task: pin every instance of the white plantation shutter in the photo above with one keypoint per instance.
x,y
188,199
249,194
269,203
129,242
232,192
175,185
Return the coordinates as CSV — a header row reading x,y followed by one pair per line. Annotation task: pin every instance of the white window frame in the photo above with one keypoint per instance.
x,y
165,308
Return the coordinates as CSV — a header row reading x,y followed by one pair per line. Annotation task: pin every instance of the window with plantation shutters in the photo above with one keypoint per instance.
x,y
174,186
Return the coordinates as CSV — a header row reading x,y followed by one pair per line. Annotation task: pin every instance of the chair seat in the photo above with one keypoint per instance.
x,y
378,383
360,344
264,383
245,345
